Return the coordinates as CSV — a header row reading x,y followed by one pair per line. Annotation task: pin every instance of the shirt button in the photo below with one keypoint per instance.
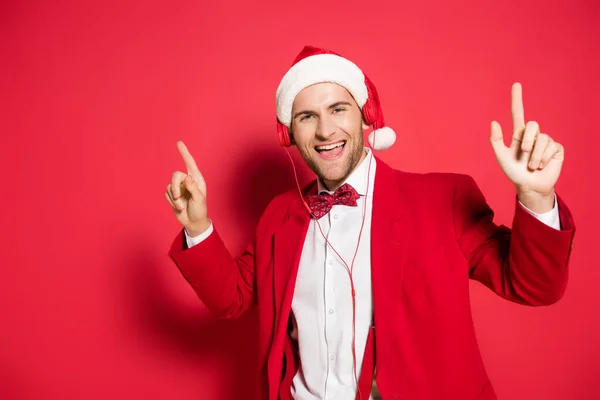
x,y
330,262
332,358
331,311
335,216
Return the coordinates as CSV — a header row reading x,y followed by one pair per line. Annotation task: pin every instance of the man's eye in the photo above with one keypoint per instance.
x,y
304,118
339,109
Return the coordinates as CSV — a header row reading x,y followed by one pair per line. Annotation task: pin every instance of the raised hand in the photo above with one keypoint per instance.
x,y
187,195
533,160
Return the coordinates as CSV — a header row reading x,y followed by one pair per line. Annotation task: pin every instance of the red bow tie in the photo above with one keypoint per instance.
x,y
320,204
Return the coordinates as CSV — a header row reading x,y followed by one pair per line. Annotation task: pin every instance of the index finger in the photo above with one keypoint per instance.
x,y
518,113
190,164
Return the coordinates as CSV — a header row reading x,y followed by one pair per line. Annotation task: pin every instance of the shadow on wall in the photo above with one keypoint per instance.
x,y
193,332
259,177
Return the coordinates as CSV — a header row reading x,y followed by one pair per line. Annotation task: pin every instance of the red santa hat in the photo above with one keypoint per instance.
x,y
314,65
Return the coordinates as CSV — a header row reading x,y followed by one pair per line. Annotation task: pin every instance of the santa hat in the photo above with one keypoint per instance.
x,y
314,65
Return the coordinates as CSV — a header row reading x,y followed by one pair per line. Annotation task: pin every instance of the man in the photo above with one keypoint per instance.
x,y
371,277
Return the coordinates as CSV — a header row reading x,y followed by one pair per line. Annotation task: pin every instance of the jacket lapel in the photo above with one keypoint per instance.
x,y
288,244
287,249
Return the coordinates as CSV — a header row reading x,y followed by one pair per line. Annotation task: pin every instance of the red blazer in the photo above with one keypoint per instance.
x,y
430,233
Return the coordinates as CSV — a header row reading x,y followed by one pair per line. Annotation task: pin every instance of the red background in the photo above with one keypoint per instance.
x,y
94,98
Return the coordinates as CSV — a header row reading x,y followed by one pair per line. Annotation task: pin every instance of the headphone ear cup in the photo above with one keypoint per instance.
x,y
283,134
370,112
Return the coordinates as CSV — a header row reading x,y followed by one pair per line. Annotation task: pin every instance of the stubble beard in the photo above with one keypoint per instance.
x,y
334,172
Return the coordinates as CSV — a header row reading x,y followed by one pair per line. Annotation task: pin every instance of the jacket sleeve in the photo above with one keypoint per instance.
x,y
526,265
224,284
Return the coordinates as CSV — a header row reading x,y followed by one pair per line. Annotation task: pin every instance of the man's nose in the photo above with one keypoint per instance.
x,y
326,128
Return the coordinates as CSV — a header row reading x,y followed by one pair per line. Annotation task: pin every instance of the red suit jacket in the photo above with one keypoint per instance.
x,y
430,233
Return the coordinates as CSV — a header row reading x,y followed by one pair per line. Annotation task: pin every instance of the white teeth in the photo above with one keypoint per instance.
x,y
330,146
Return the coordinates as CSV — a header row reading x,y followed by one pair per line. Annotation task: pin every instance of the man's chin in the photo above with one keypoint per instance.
x,y
329,177
333,171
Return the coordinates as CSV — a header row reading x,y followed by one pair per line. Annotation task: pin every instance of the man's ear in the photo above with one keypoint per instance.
x,y
364,124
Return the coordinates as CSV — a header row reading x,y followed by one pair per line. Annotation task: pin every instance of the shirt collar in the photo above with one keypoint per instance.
x,y
357,179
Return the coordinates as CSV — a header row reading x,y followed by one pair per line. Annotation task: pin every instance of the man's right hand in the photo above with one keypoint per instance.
x,y
187,195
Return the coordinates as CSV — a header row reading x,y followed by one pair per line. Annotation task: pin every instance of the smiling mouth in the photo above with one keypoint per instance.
x,y
330,147
331,151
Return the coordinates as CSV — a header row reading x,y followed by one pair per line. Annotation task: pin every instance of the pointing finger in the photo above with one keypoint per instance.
x,y
517,111
189,161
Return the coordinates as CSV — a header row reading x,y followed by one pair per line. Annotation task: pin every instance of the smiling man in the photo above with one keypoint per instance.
x,y
328,132
362,275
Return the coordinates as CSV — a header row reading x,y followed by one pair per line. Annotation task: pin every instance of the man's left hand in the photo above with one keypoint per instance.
x,y
533,160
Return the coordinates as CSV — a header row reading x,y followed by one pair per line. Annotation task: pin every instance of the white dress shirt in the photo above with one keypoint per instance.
x,y
322,302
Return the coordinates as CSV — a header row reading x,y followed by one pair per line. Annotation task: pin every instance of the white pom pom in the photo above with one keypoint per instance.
x,y
382,138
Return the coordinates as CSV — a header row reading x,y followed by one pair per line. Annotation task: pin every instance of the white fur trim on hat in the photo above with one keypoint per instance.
x,y
382,138
316,69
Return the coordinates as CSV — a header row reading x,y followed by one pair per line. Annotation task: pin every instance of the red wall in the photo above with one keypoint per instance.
x,y
94,98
